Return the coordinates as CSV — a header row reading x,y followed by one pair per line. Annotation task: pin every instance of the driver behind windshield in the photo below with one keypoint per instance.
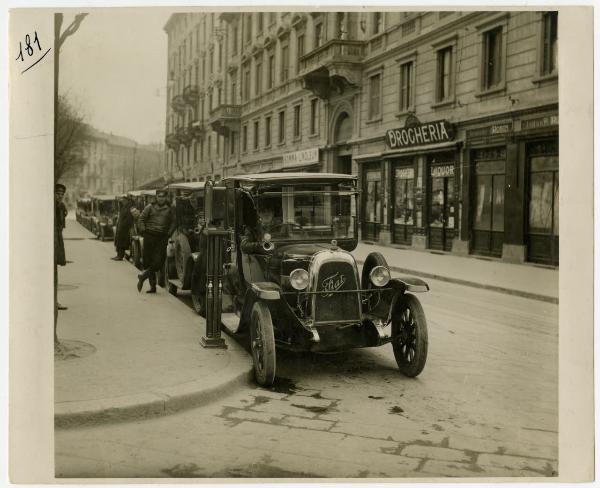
x,y
258,223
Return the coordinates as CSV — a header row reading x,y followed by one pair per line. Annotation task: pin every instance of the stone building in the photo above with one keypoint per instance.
x,y
450,119
116,164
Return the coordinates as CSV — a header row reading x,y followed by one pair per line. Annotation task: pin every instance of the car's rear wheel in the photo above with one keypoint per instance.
x,y
409,335
262,341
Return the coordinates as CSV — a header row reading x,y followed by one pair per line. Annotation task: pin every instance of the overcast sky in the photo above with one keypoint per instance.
x,y
115,68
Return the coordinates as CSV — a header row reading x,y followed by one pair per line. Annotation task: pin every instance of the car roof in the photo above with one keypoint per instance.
x,y
147,192
270,177
103,197
135,193
186,185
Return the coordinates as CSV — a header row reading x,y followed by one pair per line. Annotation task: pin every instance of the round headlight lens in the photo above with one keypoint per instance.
x,y
299,279
380,276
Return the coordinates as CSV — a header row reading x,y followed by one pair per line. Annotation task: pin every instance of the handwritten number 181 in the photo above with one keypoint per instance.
x,y
28,46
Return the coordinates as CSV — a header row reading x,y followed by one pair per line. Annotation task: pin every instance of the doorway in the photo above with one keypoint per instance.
x,y
371,203
542,223
344,164
404,204
441,208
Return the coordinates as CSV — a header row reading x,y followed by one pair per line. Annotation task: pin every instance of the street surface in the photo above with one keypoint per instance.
x,y
486,405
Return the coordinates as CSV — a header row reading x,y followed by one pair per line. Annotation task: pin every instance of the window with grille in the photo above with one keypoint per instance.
x,y
375,96
444,73
314,116
549,42
297,121
271,72
281,126
285,62
258,78
406,88
244,138
492,61
267,131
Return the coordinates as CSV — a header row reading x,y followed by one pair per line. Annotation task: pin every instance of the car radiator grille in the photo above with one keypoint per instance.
x,y
329,304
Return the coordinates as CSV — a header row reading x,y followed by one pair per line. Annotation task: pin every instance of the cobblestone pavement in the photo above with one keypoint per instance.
x,y
485,406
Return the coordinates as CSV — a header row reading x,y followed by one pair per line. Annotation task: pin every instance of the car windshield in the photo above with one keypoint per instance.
x,y
308,212
106,207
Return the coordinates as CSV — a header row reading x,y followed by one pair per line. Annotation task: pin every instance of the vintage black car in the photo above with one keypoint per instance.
x,y
83,212
183,249
104,208
301,289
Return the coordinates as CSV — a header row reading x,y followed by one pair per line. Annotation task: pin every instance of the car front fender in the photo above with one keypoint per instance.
x,y
409,283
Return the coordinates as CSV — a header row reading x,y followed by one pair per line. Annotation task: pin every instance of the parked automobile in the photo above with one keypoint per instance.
x,y
83,212
183,249
104,209
303,290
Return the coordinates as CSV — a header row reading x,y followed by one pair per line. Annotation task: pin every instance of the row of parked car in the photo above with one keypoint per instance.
x,y
303,291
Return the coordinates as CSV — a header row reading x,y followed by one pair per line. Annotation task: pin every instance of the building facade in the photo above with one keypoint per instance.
x,y
450,119
116,164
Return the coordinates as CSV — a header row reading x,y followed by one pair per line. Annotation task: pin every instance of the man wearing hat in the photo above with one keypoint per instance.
x,y
156,222
124,223
60,213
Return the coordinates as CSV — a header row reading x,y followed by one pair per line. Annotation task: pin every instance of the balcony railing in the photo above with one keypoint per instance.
x,y
197,128
172,141
184,134
225,117
336,50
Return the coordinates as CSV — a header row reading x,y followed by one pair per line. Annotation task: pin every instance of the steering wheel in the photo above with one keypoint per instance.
x,y
290,225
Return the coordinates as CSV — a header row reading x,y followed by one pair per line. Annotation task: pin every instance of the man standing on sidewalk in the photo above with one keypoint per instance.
x,y
60,213
157,223
124,223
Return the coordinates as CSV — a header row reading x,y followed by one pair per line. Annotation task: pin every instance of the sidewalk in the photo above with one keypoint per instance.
x,y
128,354
524,280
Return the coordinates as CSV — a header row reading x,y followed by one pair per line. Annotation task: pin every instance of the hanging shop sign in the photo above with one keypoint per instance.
x,y
300,158
420,134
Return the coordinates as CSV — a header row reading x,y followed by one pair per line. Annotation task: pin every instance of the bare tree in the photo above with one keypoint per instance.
x,y
71,132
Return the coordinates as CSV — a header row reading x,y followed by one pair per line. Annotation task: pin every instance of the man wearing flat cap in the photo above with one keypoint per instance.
x,y
156,222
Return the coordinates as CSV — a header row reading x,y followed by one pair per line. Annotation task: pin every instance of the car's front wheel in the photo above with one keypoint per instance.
x,y
262,341
409,335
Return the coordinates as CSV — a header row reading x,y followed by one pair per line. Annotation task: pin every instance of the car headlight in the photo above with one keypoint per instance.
x,y
299,279
380,276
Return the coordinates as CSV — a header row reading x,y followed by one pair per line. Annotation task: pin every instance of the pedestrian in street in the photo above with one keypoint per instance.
x,y
60,259
124,223
156,223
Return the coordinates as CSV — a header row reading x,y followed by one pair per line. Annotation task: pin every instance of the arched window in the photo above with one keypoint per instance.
x,y
343,128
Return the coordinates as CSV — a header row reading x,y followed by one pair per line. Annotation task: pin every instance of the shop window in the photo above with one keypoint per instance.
x,y
375,97
314,116
549,43
373,197
404,196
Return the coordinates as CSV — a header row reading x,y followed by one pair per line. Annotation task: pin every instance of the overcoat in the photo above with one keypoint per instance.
x,y
124,223
60,212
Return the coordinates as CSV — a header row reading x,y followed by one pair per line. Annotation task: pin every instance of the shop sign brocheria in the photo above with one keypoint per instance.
x,y
420,134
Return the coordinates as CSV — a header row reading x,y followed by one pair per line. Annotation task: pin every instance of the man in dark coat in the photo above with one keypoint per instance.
x,y
157,223
60,213
124,223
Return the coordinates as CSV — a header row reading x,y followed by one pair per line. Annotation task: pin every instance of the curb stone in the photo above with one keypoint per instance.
x,y
473,284
160,402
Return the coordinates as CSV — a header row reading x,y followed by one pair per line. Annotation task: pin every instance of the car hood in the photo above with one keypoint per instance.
x,y
299,249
